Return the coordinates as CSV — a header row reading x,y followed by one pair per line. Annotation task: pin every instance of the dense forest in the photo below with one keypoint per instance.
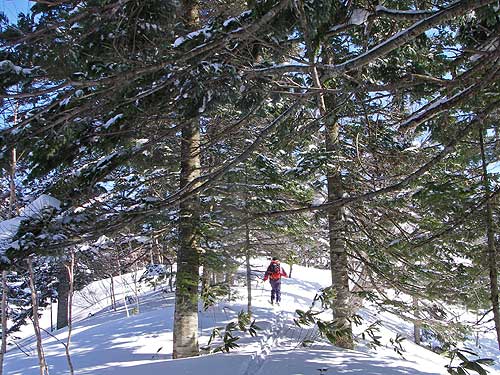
x,y
356,136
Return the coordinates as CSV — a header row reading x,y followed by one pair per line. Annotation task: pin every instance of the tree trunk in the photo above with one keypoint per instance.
x,y
416,326
205,279
185,335
13,207
338,251
124,285
3,348
70,268
492,251
62,298
185,338
113,297
36,324
291,268
51,315
248,269
190,14
171,278
13,210
136,290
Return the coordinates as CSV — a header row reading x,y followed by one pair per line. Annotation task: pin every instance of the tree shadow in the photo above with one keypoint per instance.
x,y
337,361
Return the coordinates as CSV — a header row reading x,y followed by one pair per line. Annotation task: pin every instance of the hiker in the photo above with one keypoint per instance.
x,y
274,273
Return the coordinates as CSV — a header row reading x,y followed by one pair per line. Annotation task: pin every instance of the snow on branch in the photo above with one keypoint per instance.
x,y
107,10
359,17
397,40
403,14
7,66
411,177
444,103
203,182
241,33
404,36
10,227
435,107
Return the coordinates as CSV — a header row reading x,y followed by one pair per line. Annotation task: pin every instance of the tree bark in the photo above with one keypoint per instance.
x,y
188,260
3,348
205,279
62,298
136,290
14,209
185,335
416,325
36,324
70,268
51,315
113,297
124,284
338,252
491,249
190,14
171,278
248,269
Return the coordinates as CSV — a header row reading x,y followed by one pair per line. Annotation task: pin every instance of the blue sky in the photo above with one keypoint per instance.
x,y
13,7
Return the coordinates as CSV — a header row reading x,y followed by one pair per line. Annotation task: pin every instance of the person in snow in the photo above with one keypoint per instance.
x,y
274,273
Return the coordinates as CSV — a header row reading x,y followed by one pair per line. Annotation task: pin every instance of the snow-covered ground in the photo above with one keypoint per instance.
x,y
108,342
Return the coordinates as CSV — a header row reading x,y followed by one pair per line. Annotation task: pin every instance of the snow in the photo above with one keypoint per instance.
x,y
76,9
380,8
359,16
178,41
206,98
421,112
8,228
206,31
141,141
150,26
227,22
8,66
112,120
64,102
108,342
238,19
489,46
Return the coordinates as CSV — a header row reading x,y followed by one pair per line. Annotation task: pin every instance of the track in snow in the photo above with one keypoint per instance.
x,y
266,344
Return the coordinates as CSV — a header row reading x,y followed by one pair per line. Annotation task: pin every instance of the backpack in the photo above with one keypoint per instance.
x,y
274,271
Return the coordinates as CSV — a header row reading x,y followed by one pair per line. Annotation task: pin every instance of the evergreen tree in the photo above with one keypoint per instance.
x,y
133,91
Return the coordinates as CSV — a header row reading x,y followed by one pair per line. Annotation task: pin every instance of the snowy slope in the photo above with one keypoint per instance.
x,y
109,342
